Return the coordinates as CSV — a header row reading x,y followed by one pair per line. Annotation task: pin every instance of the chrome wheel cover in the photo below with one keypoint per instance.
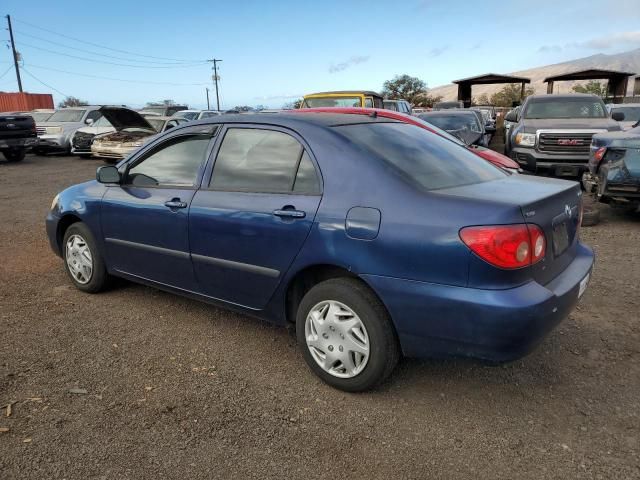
x,y
79,259
337,339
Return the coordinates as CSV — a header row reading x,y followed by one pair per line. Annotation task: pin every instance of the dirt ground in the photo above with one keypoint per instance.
x,y
170,388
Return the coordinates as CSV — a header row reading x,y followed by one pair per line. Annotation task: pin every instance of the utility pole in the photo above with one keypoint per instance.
x,y
215,78
15,54
207,89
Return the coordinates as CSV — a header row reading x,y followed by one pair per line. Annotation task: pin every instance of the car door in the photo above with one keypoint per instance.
x,y
145,218
249,222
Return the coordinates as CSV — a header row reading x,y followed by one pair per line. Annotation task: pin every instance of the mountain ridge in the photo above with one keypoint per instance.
x,y
628,61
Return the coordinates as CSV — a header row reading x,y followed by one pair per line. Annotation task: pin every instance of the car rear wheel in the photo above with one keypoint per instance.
x,y
14,155
346,335
82,259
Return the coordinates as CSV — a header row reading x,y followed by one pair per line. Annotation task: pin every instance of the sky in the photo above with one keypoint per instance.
x,y
275,51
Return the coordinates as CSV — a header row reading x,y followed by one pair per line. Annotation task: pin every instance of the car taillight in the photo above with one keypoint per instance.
x,y
598,155
506,246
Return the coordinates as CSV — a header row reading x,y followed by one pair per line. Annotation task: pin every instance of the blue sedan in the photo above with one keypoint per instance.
x,y
373,237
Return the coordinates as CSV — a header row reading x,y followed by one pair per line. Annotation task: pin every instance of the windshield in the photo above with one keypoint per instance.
x,y
40,116
67,116
318,102
631,114
579,107
453,122
157,124
420,157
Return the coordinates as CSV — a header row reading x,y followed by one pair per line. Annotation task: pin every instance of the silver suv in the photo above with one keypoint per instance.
x,y
55,134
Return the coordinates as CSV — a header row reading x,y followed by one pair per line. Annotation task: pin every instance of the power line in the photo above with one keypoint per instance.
x,y
92,52
6,71
22,44
102,46
117,79
40,81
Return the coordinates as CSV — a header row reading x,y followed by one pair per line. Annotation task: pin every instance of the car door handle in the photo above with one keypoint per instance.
x,y
287,213
175,203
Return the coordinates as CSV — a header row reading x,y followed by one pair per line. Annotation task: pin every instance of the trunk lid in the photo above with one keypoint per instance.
x,y
551,204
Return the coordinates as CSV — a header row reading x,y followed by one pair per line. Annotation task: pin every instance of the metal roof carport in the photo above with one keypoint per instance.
x,y
616,81
465,84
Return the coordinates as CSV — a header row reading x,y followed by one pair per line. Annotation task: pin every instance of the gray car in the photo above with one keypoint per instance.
x,y
551,134
55,134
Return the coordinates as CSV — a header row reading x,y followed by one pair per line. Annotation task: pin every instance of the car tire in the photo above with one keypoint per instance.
x,y
88,272
354,321
14,155
590,214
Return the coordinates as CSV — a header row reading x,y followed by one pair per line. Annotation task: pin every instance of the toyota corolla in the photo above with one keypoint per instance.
x,y
375,238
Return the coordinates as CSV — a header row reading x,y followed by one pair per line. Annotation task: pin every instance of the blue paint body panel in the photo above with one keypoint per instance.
x,y
228,248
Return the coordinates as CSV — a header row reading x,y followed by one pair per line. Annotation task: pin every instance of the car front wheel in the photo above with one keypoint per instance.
x,y
346,335
82,259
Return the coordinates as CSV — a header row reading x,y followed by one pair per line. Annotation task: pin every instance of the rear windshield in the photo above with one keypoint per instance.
x,y
67,116
565,108
453,122
319,102
421,157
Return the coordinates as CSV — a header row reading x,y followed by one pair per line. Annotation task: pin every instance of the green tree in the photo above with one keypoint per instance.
x,y
72,102
482,100
426,100
592,86
293,105
404,87
509,94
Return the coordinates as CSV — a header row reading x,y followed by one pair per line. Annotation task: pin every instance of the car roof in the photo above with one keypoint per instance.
x,y
291,118
618,105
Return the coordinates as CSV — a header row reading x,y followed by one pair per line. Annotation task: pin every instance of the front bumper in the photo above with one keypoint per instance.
x,y
116,152
53,142
560,165
51,225
435,320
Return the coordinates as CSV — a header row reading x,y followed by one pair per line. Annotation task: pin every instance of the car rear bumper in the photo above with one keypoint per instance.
x,y
496,325
561,165
13,143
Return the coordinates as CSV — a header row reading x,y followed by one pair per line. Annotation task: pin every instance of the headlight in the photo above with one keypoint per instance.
x,y
133,144
54,129
54,202
526,139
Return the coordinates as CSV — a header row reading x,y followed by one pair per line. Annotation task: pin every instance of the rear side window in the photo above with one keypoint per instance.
x,y
421,157
257,160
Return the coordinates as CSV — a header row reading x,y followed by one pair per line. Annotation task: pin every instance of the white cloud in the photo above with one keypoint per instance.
x,y
354,60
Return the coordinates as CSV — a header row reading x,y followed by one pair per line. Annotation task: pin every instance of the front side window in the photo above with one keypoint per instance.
x,y
420,157
368,102
257,160
631,114
174,163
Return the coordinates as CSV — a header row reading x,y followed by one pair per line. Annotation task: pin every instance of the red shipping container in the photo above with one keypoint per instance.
x,y
24,102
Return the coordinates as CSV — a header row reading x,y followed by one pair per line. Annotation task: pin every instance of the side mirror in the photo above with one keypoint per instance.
x,y
618,116
490,129
108,174
89,121
511,117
